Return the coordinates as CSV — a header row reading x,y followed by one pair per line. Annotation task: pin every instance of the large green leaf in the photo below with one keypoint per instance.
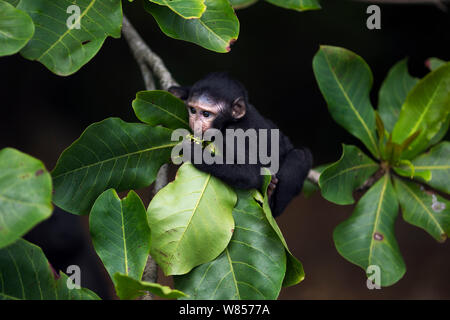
x,y
437,160
25,194
187,9
190,220
299,5
161,108
64,50
109,154
251,267
16,29
120,233
128,288
424,209
339,180
367,237
393,92
216,30
25,274
426,109
13,2
345,80
294,268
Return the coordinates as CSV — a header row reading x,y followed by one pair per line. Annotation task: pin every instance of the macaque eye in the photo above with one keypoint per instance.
x,y
192,110
206,114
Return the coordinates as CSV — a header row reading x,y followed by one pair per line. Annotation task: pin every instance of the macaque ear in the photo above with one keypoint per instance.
x,y
238,108
180,92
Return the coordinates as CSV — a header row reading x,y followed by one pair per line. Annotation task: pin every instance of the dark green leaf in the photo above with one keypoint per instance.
x,y
251,267
240,4
25,194
345,80
424,209
216,30
16,28
426,109
367,237
109,154
128,288
437,160
393,92
339,180
161,108
120,233
299,5
61,49
25,274
190,220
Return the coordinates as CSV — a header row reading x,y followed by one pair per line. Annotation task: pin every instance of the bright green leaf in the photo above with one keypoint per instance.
x,y
25,194
120,233
345,80
393,92
109,154
161,108
437,160
190,220
424,209
294,268
299,5
25,274
426,109
61,49
367,237
216,30
251,267
339,180
128,288
16,29
187,9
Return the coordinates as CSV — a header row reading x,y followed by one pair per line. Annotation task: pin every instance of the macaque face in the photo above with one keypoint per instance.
x,y
203,110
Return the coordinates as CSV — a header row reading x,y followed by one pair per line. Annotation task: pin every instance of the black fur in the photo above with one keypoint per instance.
x,y
294,163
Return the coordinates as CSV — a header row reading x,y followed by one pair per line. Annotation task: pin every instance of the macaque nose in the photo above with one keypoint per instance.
x,y
198,128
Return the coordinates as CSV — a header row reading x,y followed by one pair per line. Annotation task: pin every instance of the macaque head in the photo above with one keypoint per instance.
x,y
213,101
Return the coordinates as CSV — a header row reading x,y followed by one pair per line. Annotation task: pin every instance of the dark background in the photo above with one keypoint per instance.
x,y
42,114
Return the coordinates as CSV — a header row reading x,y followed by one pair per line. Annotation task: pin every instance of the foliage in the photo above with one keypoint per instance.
x,y
412,116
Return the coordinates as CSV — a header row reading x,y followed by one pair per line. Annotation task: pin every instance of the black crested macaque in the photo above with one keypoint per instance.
x,y
221,102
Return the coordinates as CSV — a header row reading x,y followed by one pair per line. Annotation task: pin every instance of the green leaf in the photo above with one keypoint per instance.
x,y
426,109
25,274
393,92
299,5
25,194
161,108
294,268
61,49
109,154
16,29
120,233
411,171
367,237
434,63
437,160
241,4
216,30
339,180
424,209
128,288
187,9
190,220
251,267
345,80
13,2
